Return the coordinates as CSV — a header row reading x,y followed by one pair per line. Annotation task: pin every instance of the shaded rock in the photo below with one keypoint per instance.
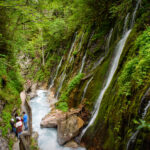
x,y
71,144
69,128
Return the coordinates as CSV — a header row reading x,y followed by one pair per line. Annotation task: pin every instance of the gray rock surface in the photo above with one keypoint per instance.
x,y
69,128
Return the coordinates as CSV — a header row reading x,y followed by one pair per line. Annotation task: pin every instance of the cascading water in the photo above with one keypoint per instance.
x,y
85,89
47,139
52,84
83,63
84,58
108,42
61,84
142,113
114,65
64,72
106,50
134,13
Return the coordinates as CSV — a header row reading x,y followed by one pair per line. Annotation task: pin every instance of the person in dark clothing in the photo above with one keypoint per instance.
x,y
12,122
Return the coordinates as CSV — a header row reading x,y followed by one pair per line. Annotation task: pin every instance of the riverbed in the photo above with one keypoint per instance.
x,y
47,136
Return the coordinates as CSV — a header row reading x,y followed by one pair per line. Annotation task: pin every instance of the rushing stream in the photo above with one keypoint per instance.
x,y
47,136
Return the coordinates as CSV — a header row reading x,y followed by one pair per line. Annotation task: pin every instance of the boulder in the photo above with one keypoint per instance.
x,y
69,128
71,144
50,120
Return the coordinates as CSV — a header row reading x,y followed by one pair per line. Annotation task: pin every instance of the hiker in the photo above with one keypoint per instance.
x,y
17,117
12,122
19,126
25,120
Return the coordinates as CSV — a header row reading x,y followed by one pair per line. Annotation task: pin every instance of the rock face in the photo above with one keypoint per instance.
x,y
31,90
3,143
69,128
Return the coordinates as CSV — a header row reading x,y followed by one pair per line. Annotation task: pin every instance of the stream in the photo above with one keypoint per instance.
x,y
47,136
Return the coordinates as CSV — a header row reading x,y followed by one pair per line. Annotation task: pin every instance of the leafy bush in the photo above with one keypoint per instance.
x,y
137,70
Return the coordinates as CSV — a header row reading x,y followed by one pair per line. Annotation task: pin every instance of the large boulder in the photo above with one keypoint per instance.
x,y
69,128
51,120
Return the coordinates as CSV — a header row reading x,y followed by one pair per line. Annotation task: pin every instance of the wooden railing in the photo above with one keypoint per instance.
x,y
25,138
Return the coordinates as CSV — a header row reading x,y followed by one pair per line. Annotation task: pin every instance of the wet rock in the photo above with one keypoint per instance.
x,y
71,144
69,128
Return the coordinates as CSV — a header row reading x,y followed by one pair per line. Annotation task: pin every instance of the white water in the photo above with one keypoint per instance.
x,y
108,42
61,84
134,13
83,62
85,89
52,84
47,136
126,23
114,65
72,48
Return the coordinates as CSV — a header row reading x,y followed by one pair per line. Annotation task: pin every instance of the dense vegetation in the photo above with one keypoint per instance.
x,y
42,32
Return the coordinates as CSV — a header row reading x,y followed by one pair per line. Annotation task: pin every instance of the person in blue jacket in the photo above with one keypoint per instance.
x,y
25,120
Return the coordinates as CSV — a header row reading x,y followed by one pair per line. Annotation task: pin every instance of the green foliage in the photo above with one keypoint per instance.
x,y
73,83
75,53
137,70
119,9
142,124
62,104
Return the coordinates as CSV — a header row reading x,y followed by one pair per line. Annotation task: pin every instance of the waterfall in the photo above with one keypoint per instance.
x,y
84,58
63,76
134,13
108,42
126,23
83,62
52,84
61,84
106,50
118,51
72,48
142,113
86,87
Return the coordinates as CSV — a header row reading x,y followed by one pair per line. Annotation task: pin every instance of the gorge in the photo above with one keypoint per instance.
x,y
85,68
